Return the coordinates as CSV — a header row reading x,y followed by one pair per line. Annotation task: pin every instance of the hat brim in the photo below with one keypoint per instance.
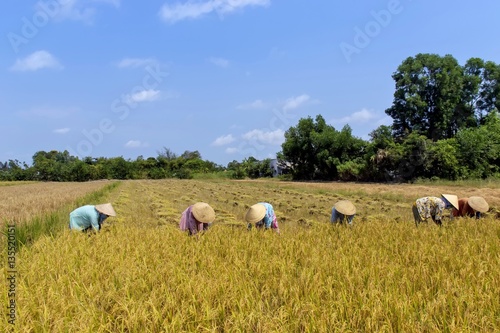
x,y
255,213
452,199
203,212
478,204
345,207
106,209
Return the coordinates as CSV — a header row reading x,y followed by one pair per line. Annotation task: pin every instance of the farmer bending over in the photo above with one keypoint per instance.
x,y
343,210
433,207
262,214
90,217
197,218
471,207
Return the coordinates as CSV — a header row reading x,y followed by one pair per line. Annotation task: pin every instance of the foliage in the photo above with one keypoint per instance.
x,y
428,89
236,170
443,159
350,170
479,148
437,97
61,166
298,147
315,149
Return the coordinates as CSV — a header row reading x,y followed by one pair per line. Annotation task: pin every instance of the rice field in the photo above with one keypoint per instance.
x,y
142,274
22,201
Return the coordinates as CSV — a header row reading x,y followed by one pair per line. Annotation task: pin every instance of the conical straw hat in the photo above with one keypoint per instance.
x,y
203,212
453,199
478,204
255,213
106,209
345,207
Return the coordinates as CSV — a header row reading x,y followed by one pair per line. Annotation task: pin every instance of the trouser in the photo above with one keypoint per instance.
x,y
416,214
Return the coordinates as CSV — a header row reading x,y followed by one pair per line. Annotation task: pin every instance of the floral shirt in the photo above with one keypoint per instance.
x,y
270,217
430,207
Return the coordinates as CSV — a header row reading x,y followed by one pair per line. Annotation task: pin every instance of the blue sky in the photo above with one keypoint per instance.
x,y
224,77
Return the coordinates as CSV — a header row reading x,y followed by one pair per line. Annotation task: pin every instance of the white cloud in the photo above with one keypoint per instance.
x,y
386,120
219,62
288,104
255,105
223,140
276,137
196,9
363,122
295,102
61,130
232,150
77,10
136,144
358,117
143,96
36,61
135,62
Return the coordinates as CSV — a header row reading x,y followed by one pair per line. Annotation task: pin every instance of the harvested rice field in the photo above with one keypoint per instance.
x,y
142,274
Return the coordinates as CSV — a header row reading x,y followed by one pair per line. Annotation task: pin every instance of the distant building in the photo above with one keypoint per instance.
x,y
276,168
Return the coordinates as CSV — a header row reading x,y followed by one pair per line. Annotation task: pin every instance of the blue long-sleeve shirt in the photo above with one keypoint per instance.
x,y
86,217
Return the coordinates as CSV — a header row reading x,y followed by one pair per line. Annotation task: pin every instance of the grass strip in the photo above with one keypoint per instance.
x,y
52,223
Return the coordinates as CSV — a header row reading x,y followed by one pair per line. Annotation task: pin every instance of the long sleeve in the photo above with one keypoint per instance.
x,y
333,217
183,224
188,222
84,217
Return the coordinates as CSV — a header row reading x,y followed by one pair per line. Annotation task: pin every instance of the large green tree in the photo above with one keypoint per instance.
x,y
298,149
480,92
380,154
489,91
52,165
479,148
315,150
428,91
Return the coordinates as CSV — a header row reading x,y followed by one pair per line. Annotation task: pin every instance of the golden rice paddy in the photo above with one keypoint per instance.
x,y
22,201
142,274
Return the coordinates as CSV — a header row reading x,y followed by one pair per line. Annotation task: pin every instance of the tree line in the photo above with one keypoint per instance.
x,y
61,166
446,125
